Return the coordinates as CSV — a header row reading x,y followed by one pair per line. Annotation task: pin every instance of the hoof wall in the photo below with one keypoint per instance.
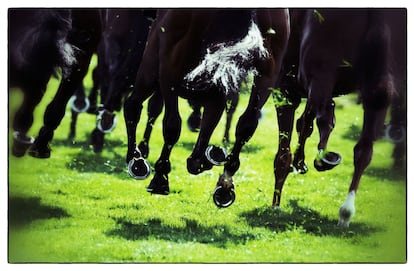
x,y
79,105
159,185
223,198
216,155
41,153
138,168
328,161
106,121
21,143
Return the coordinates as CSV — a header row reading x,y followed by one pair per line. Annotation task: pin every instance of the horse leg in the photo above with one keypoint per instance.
x,y
194,120
155,105
283,158
304,127
138,168
55,111
326,122
171,133
373,119
224,194
231,108
78,103
93,94
23,120
213,110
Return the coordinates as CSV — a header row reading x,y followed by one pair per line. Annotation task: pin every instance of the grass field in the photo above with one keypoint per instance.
x,y
79,206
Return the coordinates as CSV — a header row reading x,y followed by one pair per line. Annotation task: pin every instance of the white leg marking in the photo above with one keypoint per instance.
x,y
347,210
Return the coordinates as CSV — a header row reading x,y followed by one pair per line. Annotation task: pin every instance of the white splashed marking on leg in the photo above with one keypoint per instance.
x,y
347,210
226,66
68,55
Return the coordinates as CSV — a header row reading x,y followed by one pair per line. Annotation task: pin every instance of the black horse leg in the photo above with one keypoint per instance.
x,y
171,133
78,104
246,126
55,112
93,94
283,158
231,108
194,120
326,122
23,120
304,127
155,105
213,110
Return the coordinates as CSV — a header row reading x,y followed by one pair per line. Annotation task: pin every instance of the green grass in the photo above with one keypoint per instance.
x,y
79,206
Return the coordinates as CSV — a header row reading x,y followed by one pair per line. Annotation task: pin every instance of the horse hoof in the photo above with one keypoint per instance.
x,y
79,105
395,133
21,143
299,168
327,161
138,168
159,185
223,198
216,155
106,121
42,152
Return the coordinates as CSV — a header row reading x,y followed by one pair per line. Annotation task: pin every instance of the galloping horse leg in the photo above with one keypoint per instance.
x,y
283,158
55,111
232,103
194,120
246,126
23,119
213,110
171,133
93,94
373,121
377,86
155,105
87,23
304,128
326,122
78,103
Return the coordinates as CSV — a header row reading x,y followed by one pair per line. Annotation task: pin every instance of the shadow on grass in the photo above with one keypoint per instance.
x,y
218,235
23,211
88,161
353,133
302,218
86,144
389,174
248,148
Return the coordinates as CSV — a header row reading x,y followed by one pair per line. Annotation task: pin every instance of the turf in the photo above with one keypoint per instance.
x,y
79,206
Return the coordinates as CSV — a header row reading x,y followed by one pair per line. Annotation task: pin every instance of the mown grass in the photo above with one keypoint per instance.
x,y
79,206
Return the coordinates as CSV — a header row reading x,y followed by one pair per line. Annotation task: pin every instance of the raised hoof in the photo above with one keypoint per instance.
x,y
106,121
194,122
159,185
144,149
42,152
79,105
223,197
327,161
138,168
20,144
395,133
216,155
